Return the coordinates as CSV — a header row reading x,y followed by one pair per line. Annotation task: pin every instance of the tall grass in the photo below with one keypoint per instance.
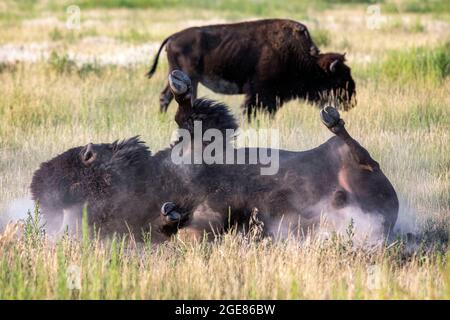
x,y
418,6
418,63
260,7
232,267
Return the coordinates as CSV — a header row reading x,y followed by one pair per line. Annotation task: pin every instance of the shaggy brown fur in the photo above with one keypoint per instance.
x,y
270,61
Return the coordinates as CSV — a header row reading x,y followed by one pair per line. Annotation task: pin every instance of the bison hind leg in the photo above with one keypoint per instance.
x,y
330,117
164,99
179,82
332,120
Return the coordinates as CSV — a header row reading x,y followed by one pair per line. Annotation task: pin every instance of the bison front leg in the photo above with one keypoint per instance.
x,y
332,120
249,106
265,101
174,217
164,99
172,213
181,86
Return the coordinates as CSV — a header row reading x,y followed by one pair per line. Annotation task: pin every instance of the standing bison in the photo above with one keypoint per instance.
x,y
125,187
270,61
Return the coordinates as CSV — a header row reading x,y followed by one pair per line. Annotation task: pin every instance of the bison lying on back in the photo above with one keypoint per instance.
x,y
125,186
270,61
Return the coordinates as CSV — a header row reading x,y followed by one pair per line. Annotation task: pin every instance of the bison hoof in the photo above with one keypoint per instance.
x,y
330,116
179,82
170,212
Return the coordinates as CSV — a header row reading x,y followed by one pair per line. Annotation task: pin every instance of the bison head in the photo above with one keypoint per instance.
x,y
83,173
338,83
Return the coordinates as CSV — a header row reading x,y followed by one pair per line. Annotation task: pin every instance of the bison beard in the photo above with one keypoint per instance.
x,y
124,186
270,61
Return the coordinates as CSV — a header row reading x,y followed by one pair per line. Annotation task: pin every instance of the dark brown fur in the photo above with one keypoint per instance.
x,y
270,61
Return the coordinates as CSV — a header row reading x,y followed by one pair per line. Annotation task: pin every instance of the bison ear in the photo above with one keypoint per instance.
x,y
333,65
88,155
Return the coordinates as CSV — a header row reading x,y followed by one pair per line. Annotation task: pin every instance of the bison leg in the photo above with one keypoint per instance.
x,y
181,87
194,86
332,120
267,102
173,218
164,99
271,104
173,214
249,106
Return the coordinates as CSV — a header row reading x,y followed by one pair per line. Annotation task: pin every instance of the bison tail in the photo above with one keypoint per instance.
x,y
155,63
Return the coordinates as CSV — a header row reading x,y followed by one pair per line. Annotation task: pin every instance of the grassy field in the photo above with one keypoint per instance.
x,y
63,87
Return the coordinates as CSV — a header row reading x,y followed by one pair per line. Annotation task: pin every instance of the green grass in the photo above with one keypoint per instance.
x,y
321,37
418,6
421,63
232,267
261,7
415,65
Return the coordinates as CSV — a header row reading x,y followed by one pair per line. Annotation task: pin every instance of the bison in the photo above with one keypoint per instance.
x,y
270,61
128,189
337,181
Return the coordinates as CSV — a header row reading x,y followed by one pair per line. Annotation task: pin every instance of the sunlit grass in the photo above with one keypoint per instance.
x,y
232,267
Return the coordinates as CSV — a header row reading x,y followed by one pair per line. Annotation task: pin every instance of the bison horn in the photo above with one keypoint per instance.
x,y
88,155
333,65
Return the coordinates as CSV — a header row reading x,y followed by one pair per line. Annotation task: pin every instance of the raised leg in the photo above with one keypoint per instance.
x,y
332,120
181,87
174,217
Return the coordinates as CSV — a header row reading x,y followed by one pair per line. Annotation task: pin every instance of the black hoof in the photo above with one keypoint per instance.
x,y
330,116
169,210
179,82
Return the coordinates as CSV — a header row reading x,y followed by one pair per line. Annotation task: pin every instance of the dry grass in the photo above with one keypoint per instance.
x,y
46,108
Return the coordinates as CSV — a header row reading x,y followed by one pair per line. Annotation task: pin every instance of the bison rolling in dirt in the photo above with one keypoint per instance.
x,y
337,181
124,186
270,61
